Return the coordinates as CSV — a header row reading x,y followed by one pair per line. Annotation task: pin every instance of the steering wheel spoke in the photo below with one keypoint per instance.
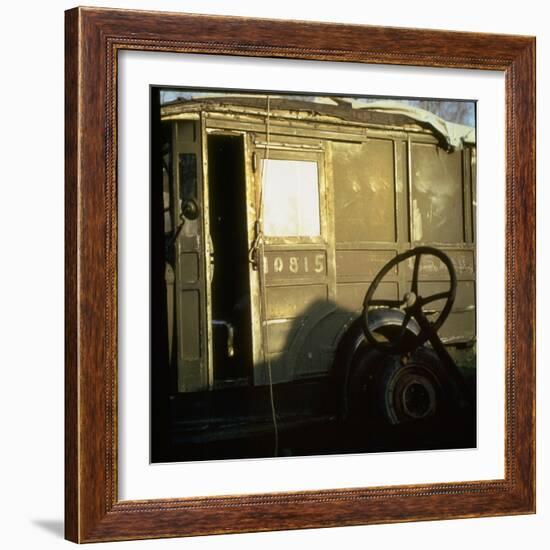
x,y
416,269
435,297
403,329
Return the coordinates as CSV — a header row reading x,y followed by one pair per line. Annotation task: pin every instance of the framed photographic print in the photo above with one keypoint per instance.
x,y
299,275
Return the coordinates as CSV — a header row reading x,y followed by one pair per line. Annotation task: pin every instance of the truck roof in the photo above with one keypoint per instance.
x,y
385,112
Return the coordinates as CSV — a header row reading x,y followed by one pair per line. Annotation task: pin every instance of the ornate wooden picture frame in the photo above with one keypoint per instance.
x,y
93,511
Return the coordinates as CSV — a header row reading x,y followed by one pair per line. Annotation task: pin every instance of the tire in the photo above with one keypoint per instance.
x,y
393,389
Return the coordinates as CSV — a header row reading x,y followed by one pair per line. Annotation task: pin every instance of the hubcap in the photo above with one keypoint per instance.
x,y
411,395
418,400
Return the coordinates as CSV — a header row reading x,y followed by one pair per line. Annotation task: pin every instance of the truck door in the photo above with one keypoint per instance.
x,y
295,261
191,249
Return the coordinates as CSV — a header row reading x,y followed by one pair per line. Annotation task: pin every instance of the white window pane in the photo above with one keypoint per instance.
x,y
291,198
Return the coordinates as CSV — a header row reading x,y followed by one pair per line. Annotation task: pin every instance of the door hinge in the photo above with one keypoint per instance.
x,y
254,161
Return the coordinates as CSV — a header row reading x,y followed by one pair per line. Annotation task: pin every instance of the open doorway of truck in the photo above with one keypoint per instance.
x,y
230,286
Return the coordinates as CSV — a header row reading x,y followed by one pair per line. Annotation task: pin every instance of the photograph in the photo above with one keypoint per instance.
x,y
275,275
312,274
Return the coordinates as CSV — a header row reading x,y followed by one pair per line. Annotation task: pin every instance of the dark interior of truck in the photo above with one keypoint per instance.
x,y
230,287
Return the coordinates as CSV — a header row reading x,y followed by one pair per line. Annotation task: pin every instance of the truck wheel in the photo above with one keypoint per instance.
x,y
395,389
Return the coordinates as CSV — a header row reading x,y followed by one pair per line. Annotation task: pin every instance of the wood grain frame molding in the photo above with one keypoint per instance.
x,y
93,39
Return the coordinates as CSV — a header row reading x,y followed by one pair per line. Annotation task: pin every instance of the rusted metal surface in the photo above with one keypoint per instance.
x,y
189,257
437,195
384,183
363,176
385,114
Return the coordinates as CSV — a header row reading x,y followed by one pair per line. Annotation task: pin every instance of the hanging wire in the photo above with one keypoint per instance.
x,y
257,255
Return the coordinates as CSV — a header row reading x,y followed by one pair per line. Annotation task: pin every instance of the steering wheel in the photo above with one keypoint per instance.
x,y
412,303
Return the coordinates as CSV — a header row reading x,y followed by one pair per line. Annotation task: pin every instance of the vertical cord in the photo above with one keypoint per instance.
x,y
260,248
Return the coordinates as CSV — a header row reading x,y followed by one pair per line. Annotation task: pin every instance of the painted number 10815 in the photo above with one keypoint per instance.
x,y
294,264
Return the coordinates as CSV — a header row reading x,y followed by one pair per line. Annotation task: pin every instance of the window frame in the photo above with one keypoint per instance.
x,y
295,154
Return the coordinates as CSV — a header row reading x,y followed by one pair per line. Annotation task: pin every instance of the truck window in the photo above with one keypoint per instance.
x,y
291,198
188,176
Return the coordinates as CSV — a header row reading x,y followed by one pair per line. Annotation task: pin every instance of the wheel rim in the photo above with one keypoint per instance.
x,y
411,394
418,399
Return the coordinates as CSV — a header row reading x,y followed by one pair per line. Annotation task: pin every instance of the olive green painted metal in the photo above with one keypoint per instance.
x,y
190,254
382,181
